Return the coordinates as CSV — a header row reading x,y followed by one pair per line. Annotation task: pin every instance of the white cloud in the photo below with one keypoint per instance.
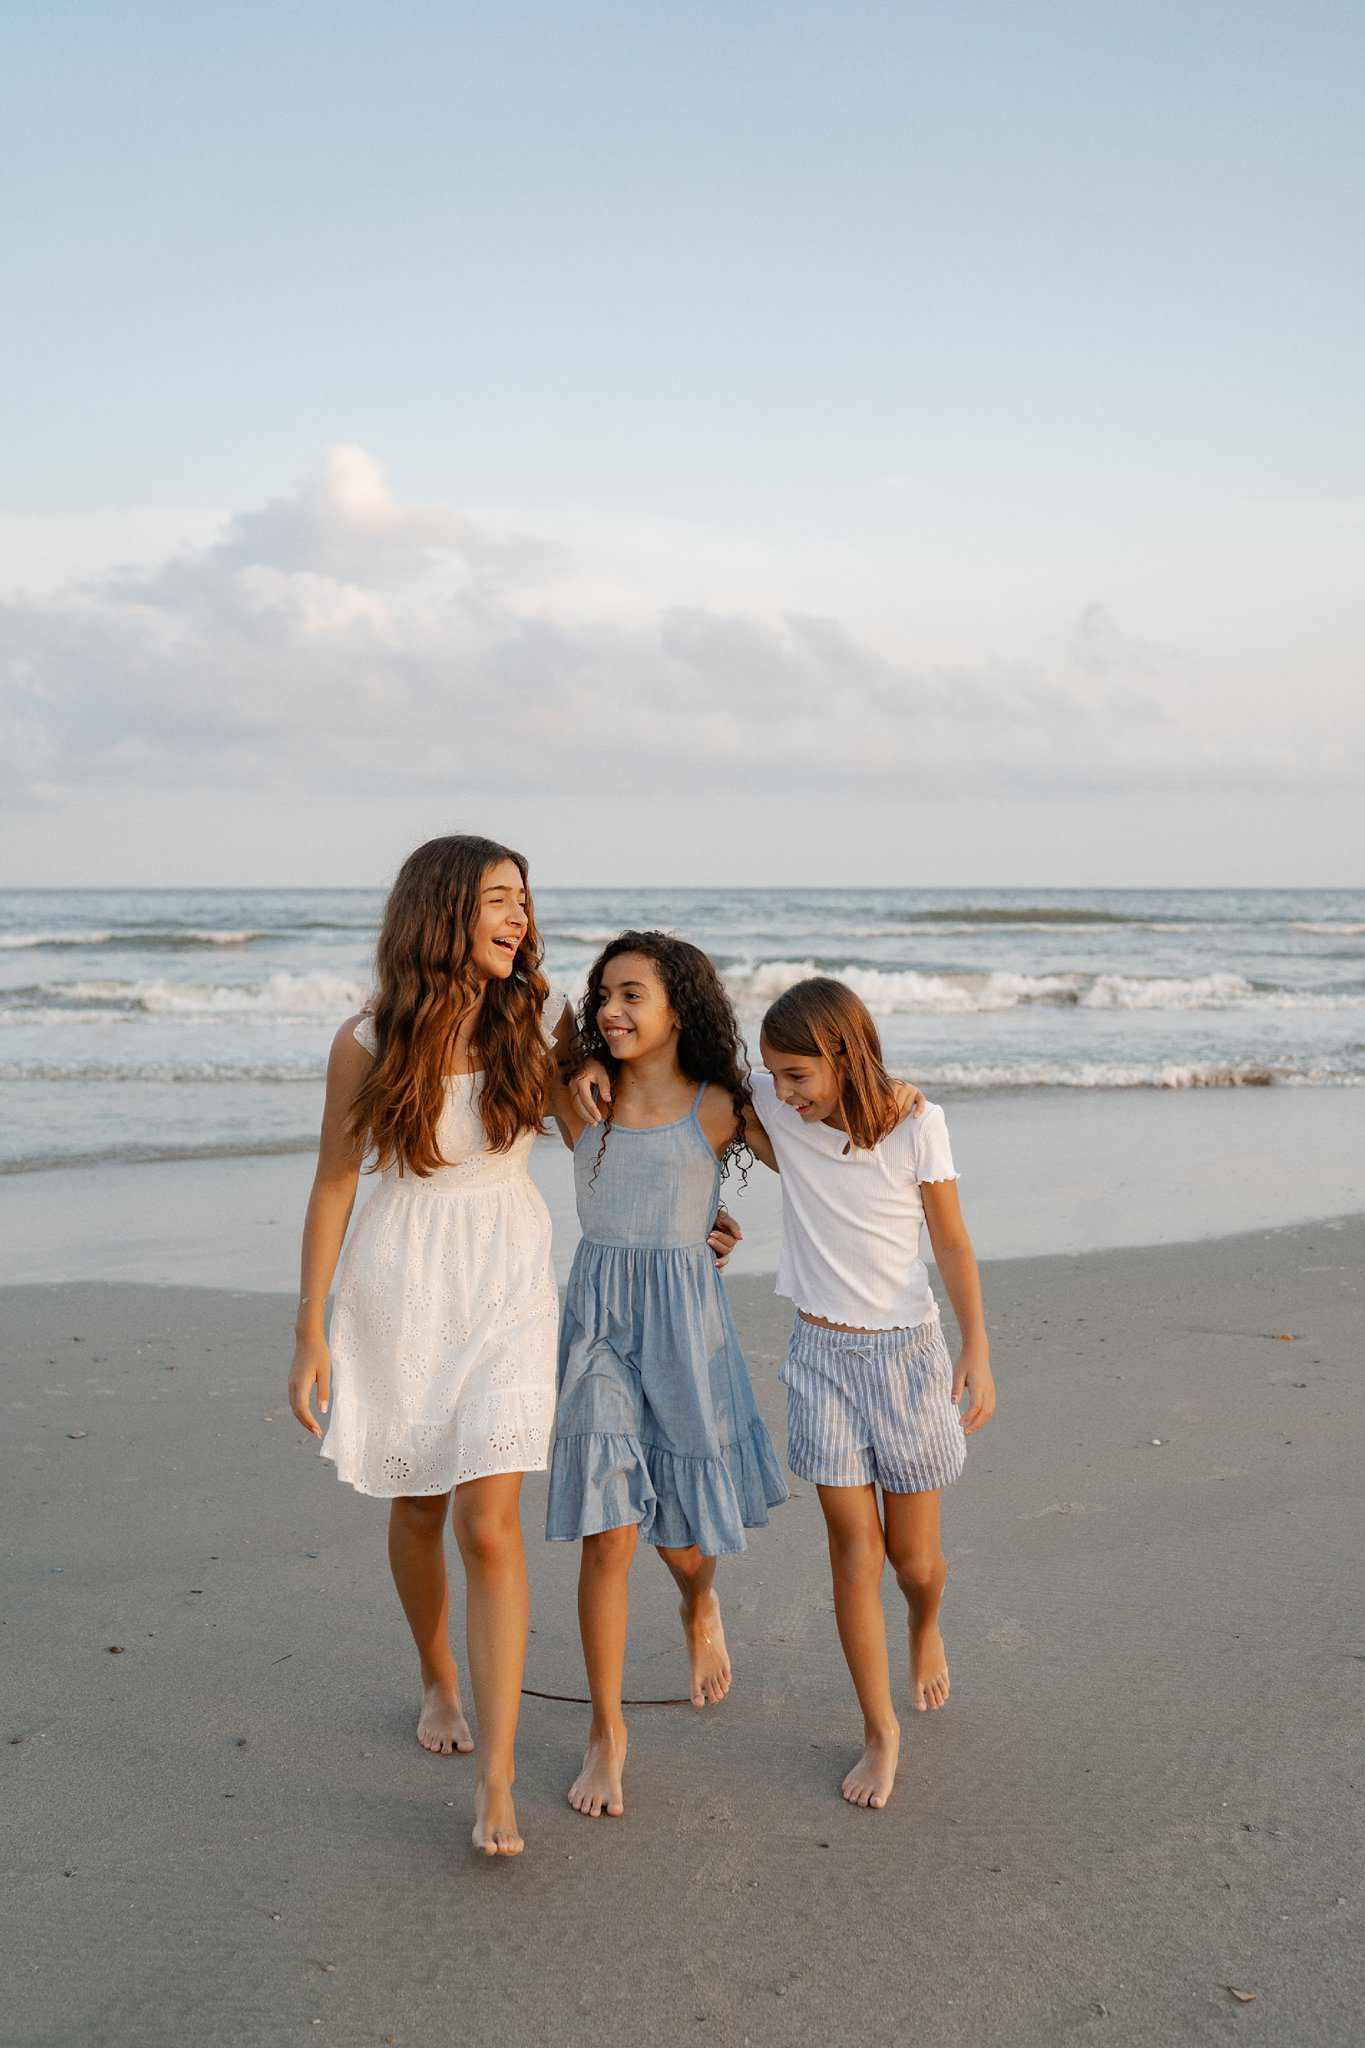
x,y
340,639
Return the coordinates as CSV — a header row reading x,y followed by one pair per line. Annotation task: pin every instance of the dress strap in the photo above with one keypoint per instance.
x,y
696,1102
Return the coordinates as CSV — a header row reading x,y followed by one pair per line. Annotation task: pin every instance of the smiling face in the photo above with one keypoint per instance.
x,y
805,1083
501,924
633,1012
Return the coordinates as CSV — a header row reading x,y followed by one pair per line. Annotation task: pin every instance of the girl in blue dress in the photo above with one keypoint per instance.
x,y
657,1433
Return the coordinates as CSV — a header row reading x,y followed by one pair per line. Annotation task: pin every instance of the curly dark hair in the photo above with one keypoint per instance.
x,y
709,1045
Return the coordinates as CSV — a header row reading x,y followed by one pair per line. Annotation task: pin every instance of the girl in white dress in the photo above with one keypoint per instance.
x,y
442,1360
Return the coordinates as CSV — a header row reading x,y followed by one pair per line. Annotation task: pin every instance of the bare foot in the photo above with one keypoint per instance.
x,y
708,1660
928,1667
495,1822
597,1788
869,1782
441,1725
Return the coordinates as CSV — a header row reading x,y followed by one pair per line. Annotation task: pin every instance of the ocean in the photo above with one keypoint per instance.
x,y
188,1024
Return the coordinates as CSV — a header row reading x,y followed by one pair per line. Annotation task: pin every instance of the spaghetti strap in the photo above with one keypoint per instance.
x,y
696,1102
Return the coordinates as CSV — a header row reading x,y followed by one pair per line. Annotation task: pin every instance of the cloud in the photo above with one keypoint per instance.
x,y
340,640
1098,648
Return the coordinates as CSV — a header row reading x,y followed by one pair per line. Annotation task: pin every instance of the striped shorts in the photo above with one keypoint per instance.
x,y
872,1405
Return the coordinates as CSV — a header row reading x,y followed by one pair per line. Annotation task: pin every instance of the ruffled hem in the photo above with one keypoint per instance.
x,y
390,1457
600,1481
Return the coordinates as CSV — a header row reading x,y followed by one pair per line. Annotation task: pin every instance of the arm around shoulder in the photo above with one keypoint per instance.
x,y
564,1101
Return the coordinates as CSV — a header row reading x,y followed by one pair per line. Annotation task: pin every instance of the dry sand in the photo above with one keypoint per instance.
x,y
1145,1788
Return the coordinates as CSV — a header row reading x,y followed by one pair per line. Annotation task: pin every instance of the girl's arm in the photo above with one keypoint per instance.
x,y
324,1227
757,1139
590,1090
956,1262
565,1100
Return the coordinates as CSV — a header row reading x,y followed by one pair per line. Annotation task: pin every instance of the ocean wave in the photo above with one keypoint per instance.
x,y
279,995
1044,914
889,991
1221,991
1165,1074
1328,930
158,1155
129,940
161,1073
943,930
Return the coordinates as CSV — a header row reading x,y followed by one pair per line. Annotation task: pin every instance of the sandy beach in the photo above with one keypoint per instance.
x,y
1142,1792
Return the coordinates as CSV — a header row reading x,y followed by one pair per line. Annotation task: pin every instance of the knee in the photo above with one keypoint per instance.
x,y
688,1564
610,1551
487,1536
918,1570
857,1560
420,1514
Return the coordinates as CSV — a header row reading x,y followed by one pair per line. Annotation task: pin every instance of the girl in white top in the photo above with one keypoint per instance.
x,y
442,1357
871,1392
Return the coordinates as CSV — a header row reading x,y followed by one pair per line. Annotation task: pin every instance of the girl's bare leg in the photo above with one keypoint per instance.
x,y
915,1548
488,1531
857,1552
417,1559
708,1660
603,1610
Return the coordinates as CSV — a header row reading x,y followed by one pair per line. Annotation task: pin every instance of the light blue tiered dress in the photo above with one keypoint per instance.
x,y
656,1423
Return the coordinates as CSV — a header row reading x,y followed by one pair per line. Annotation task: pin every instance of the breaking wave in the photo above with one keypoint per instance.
x,y
887,992
278,995
176,940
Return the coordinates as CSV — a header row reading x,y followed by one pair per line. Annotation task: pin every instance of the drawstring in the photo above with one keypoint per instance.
x,y
574,1699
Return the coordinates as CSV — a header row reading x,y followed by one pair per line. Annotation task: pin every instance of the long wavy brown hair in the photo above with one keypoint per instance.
x,y
709,1045
821,1018
426,985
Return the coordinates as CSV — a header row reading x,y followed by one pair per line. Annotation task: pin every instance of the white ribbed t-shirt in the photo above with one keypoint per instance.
x,y
851,1220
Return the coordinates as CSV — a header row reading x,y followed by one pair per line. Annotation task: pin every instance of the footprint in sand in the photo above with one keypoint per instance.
x,y
1010,1635
1065,1507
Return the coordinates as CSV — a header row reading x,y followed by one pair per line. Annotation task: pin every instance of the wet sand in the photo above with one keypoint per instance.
x,y
1043,1170
1144,1789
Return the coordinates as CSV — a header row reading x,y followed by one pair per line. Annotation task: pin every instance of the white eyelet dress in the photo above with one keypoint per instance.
x,y
444,1326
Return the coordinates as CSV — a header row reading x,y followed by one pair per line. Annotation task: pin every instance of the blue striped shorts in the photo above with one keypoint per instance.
x,y
872,1405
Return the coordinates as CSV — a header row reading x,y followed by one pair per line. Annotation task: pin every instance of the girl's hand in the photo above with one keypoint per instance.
x,y
590,1086
312,1368
910,1099
973,1373
725,1235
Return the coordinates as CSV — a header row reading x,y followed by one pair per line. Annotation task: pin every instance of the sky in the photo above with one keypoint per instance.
x,y
777,442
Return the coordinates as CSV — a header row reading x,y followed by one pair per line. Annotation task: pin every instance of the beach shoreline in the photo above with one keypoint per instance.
x,y
1042,1171
1138,1795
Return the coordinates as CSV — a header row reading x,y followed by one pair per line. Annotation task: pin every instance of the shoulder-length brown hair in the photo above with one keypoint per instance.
x,y
426,983
822,1019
